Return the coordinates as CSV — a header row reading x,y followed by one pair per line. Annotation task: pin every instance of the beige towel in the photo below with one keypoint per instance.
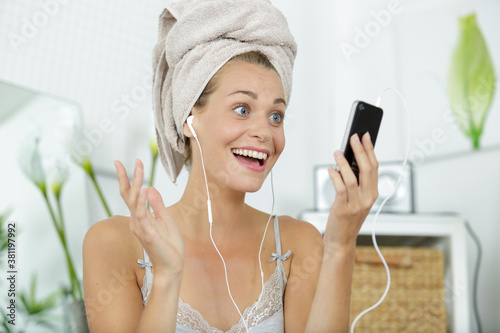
x,y
195,39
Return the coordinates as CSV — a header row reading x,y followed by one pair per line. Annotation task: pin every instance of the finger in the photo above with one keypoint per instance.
x,y
137,182
166,226
338,184
364,164
348,177
368,145
143,217
156,202
369,149
136,222
140,208
123,181
359,153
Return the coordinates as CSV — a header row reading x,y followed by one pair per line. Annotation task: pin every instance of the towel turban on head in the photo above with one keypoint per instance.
x,y
195,39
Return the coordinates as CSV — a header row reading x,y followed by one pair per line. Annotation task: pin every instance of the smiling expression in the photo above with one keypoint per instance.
x,y
241,127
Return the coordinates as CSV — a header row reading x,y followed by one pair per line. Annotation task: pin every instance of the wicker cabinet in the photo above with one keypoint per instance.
x,y
427,255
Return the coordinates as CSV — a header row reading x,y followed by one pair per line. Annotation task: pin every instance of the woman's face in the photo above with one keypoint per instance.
x,y
243,116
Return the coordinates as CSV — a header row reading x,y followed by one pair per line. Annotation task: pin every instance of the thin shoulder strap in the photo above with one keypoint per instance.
x,y
278,256
277,235
146,257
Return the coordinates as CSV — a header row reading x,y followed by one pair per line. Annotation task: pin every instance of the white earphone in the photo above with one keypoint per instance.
x,y
189,122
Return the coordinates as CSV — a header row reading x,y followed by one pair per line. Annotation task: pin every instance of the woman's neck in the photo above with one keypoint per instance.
x,y
230,214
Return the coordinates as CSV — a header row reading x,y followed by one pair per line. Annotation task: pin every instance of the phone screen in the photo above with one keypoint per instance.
x,y
363,118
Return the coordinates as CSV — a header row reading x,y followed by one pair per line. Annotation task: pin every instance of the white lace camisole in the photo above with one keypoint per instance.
x,y
265,315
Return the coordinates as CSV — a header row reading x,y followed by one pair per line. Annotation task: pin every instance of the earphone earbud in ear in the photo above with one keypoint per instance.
x,y
189,121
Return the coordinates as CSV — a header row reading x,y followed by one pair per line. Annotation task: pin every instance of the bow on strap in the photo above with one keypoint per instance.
x,y
143,263
280,257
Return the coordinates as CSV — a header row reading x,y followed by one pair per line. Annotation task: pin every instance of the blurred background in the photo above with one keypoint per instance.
x,y
83,68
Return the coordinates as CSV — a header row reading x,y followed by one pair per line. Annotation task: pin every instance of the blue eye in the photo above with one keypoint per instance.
x,y
276,117
241,110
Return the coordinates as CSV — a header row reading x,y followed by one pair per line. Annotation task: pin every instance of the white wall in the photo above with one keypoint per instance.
x,y
38,249
412,54
98,53
92,52
450,177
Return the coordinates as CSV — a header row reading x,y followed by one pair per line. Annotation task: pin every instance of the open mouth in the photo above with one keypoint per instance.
x,y
251,157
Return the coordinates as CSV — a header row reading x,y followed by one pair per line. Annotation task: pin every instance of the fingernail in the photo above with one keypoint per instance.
x,y
143,191
338,154
368,136
330,168
136,163
116,165
356,138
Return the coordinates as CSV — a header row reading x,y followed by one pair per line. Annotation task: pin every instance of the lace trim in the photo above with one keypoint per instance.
x,y
147,284
270,301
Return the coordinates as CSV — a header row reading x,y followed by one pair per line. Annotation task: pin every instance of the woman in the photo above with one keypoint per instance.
x,y
162,271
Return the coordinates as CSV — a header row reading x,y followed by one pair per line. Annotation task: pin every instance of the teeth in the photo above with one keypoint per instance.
x,y
251,153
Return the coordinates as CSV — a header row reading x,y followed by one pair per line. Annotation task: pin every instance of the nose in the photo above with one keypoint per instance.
x,y
260,129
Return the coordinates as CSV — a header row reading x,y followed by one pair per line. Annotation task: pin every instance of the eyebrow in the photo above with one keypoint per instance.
x,y
254,96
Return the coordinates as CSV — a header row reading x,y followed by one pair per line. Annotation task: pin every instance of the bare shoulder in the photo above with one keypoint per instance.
x,y
110,249
111,235
110,229
298,235
113,299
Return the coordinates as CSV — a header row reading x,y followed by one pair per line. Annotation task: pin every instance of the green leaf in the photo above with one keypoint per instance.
x,y
45,321
5,323
471,80
5,214
33,307
3,232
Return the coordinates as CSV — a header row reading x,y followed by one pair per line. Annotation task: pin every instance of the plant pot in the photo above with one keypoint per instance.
x,y
78,317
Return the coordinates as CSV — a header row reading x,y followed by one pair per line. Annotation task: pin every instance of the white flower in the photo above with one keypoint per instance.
x,y
57,174
70,132
30,160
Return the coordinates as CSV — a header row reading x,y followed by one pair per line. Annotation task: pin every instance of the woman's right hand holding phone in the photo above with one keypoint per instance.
x,y
353,201
157,232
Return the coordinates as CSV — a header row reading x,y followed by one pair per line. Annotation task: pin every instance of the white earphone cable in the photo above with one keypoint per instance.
x,y
210,220
265,231
260,250
209,203
374,239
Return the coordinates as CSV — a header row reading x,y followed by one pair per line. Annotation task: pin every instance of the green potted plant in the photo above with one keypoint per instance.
x,y
51,189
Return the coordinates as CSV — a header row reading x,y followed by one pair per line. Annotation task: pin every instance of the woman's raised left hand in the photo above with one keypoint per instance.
x,y
353,201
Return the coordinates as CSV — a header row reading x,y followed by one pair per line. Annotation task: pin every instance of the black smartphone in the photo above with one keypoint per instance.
x,y
363,118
